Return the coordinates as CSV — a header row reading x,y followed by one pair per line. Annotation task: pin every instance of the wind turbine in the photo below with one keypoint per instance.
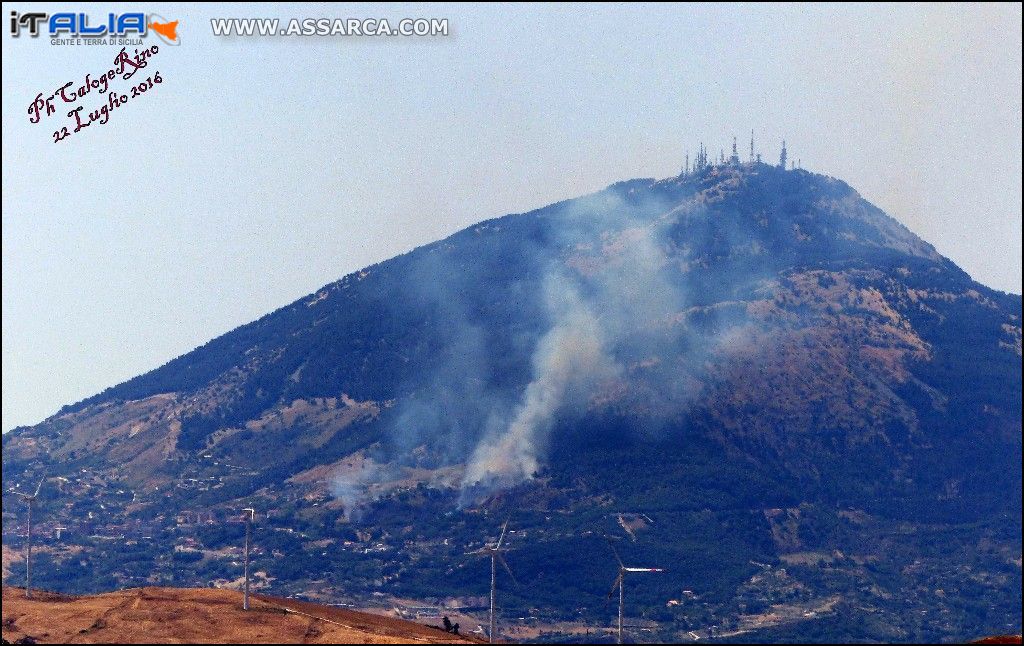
x,y
620,582
248,525
495,552
30,499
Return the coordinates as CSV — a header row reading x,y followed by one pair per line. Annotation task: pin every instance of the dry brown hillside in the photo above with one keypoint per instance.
x,y
196,615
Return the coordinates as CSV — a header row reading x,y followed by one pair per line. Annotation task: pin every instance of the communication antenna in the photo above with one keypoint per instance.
x,y
248,527
495,552
30,500
620,583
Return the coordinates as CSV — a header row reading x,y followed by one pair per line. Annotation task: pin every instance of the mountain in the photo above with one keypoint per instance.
x,y
197,616
751,376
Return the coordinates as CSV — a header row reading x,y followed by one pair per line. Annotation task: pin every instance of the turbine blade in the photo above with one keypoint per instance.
x,y
502,537
507,568
615,552
615,584
39,486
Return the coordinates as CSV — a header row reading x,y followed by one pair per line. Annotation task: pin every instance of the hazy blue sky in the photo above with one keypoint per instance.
x,y
263,168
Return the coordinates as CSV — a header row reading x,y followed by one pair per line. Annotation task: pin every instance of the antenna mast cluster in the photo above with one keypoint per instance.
x,y
702,163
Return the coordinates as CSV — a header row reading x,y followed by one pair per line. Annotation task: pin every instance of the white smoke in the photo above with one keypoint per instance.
x,y
354,486
615,336
570,358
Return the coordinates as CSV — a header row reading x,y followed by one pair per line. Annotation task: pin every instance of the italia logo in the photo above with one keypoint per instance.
x,y
80,25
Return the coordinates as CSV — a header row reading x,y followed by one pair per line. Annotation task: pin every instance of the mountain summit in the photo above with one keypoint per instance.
x,y
743,364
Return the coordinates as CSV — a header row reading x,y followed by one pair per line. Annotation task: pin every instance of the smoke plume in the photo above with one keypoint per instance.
x,y
568,361
545,318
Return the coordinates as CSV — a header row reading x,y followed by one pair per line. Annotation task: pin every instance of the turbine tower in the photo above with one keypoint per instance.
x,y
620,583
31,500
495,552
248,525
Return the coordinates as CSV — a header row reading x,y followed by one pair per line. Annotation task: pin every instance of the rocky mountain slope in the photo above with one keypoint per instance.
x,y
743,365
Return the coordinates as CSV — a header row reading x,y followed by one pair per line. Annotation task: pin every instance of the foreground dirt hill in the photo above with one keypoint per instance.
x,y
196,615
